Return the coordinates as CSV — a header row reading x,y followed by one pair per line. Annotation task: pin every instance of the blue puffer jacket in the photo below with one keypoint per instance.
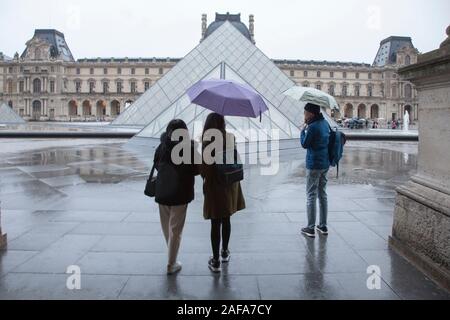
x,y
315,138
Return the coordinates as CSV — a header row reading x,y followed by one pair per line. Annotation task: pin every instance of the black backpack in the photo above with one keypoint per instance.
x,y
229,173
336,147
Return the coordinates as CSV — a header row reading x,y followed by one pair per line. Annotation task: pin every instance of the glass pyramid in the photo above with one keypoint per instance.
x,y
9,116
225,54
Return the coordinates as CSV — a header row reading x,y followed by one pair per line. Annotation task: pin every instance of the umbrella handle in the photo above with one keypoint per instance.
x,y
260,116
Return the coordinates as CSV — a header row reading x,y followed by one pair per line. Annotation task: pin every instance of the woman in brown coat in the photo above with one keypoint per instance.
x,y
221,201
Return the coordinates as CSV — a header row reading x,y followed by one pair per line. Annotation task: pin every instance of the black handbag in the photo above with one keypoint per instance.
x,y
150,186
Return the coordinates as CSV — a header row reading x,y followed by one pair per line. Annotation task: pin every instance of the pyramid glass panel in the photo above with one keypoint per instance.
x,y
9,116
244,63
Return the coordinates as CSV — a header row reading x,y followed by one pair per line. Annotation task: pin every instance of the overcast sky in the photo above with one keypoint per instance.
x,y
345,30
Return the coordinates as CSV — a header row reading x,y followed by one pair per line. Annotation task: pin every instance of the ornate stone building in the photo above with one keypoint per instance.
x,y
47,83
363,90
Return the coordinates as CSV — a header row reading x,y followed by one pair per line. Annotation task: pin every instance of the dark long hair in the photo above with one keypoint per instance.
x,y
166,138
214,121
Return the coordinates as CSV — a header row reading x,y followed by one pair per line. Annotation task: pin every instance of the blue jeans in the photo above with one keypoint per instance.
x,y
316,186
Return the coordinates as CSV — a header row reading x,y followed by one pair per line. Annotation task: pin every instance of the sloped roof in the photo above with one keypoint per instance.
x,y
59,47
387,53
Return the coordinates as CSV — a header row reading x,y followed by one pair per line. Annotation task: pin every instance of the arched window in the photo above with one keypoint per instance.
x,y
36,85
407,60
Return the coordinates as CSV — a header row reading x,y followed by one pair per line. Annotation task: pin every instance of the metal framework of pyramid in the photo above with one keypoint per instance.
x,y
225,54
9,116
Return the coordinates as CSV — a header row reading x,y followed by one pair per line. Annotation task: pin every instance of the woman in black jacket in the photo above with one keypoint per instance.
x,y
173,206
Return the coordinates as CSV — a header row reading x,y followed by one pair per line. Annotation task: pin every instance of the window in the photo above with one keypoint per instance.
x,y
161,71
407,60
344,90
394,91
52,69
357,90
369,90
344,75
36,85
382,90
105,70
10,104
133,71
119,87
318,74
292,73
91,71
36,69
133,87
146,85
10,86
78,71
331,74
21,86
331,89
408,91
105,87
119,70
357,75
10,70
78,86
147,71
370,75
52,86
91,87
37,54
318,86
305,73
306,84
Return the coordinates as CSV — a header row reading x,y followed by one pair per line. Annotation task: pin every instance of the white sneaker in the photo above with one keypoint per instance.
x,y
172,269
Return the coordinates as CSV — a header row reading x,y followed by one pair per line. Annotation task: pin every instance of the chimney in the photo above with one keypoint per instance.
x,y
251,27
204,23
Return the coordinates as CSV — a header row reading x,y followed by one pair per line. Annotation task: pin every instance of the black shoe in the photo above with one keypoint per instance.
x,y
309,232
214,265
225,255
322,230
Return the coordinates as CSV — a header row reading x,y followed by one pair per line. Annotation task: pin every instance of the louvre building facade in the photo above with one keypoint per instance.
x,y
45,82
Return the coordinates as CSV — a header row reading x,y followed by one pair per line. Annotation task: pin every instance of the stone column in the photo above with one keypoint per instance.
x,y
2,236
421,230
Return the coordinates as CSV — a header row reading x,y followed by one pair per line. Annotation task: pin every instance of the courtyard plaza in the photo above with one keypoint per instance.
x,y
81,202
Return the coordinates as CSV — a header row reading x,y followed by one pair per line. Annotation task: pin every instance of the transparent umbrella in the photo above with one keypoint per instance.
x,y
311,95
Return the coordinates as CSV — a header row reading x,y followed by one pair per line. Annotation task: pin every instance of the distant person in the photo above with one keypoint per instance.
x,y
394,124
175,191
221,200
315,138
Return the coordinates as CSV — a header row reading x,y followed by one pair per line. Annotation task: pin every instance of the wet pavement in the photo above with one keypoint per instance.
x,y
84,205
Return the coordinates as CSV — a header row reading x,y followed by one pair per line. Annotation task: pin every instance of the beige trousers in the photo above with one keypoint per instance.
x,y
172,223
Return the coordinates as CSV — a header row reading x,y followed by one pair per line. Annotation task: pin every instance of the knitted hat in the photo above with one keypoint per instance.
x,y
313,108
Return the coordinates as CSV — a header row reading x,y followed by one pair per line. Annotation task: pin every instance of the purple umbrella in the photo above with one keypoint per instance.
x,y
227,97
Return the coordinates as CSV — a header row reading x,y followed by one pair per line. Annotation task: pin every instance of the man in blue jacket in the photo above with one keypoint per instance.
x,y
315,137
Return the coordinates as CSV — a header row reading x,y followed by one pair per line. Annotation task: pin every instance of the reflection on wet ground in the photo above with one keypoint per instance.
x,y
84,205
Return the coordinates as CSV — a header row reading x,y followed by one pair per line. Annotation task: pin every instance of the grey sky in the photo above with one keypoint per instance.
x,y
346,30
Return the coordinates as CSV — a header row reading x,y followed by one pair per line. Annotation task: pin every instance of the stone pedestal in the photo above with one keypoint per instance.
x,y
421,230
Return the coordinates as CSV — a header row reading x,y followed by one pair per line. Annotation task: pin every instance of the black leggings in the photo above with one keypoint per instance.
x,y
215,235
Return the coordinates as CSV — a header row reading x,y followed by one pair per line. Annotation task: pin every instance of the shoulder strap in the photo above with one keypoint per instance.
x,y
152,171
